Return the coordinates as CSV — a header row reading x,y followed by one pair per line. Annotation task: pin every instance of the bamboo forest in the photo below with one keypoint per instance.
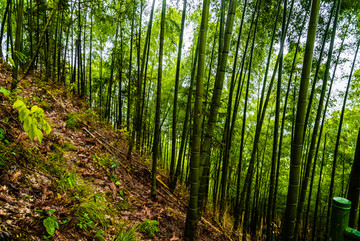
x,y
179,120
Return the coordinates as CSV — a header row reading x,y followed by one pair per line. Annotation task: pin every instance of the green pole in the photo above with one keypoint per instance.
x,y
339,218
339,230
352,234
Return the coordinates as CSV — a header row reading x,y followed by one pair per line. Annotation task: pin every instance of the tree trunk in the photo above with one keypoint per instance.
x,y
276,131
140,93
177,77
90,55
318,194
128,111
332,181
186,120
247,202
3,25
354,186
296,150
16,53
191,227
156,145
215,105
315,130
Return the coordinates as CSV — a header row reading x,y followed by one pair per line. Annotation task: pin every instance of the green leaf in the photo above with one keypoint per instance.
x,y
35,108
18,103
5,91
32,132
51,211
27,124
24,114
46,127
33,120
39,134
50,224
11,61
20,56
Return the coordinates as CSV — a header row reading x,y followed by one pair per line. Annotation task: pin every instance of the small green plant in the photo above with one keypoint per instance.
x,y
49,221
127,235
150,227
99,234
5,92
69,181
90,114
85,222
73,121
50,224
106,161
33,120
2,137
90,213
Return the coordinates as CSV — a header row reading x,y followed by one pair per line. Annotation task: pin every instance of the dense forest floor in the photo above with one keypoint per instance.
x,y
77,184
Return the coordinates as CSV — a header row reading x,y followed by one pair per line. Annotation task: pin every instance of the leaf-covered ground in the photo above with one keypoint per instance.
x,y
77,184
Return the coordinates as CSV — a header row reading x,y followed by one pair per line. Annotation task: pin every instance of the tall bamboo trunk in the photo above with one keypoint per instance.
x,y
157,128
296,150
15,57
215,105
177,77
185,131
191,228
332,180
354,186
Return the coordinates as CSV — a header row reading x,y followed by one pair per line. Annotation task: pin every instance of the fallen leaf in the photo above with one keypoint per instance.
x,y
15,176
113,189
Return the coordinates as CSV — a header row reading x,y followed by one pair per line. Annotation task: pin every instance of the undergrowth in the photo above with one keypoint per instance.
x,y
127,235
75,120
92,214
51,174
149,227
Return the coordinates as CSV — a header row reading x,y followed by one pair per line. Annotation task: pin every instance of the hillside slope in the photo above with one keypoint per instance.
x,y
77,184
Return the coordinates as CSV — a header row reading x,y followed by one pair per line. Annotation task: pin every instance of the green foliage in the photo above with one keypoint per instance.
x,y
123,204
85,222
20,56
50,224
91,212
106,160
75,120
33,120
150,227
12,63
2,137
70,181
127,235
5,92
49,221
99,234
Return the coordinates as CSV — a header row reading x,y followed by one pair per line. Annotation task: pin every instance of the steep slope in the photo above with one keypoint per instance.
x,y
77,184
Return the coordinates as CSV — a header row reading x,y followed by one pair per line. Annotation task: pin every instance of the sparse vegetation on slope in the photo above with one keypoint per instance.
x,y
76,184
